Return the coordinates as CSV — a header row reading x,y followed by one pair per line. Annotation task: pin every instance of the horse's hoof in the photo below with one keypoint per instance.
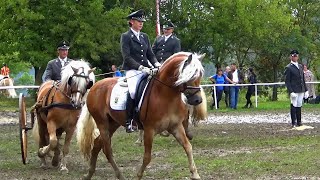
x,y
40,153
195,176
189,135
138,142
86,177
64,170
165,134
43,166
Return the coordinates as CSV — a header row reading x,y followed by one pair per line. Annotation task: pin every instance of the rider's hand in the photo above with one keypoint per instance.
x,y
157,64
144,69
293,95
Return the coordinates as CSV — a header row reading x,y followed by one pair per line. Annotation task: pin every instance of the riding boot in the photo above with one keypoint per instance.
x,y
250,105
298,114
130,111
293,114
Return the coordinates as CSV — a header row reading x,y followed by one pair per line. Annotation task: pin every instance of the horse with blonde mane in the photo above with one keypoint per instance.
x,y
7,81
176,85
57,109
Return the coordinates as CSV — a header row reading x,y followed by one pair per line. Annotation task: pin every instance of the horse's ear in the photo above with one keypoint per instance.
x,y
188,61
91,70
75,70
202,56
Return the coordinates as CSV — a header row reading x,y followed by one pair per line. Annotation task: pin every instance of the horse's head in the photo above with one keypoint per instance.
x,y
185,71
76,78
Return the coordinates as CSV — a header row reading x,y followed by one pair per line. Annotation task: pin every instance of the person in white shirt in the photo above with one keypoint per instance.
x,y
236,76
53,69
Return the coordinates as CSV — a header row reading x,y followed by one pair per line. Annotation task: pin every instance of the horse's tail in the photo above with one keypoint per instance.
x,y
87,131
199,112
12,92
35,131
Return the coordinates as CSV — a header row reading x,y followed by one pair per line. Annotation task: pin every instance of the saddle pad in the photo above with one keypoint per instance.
x,y
118,97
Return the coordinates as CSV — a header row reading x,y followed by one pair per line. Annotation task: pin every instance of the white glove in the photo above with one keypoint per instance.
x,y
293,95
306,95
144,69
154,71
157,64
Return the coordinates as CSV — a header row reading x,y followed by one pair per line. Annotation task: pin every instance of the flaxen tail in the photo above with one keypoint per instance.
x,y
35,131
87,131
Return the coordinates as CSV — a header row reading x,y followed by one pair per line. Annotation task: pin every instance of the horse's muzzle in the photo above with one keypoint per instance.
x,y
194,100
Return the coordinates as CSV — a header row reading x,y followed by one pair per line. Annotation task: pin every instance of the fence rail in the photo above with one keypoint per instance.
x,y
204,86
255,87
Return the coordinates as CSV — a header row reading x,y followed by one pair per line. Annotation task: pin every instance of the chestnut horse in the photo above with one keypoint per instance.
x,y
176,84
7,81
58,108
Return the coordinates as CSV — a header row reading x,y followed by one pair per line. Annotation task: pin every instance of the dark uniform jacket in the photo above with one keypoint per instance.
x,y
164,49
135,52
53,70
294,79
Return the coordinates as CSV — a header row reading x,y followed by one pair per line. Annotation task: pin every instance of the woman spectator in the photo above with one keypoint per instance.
x,y
251,79
308,76
218,78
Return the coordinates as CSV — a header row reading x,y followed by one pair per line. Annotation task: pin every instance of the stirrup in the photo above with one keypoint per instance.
x,y
130,128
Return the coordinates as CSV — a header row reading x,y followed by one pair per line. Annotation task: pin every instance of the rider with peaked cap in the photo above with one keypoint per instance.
x,y
167,44
53,69
138,59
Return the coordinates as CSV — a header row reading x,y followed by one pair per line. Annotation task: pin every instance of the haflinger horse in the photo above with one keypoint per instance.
x,y
58,108
176,84
7,81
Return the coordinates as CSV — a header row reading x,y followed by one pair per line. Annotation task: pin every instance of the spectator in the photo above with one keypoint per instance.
x,y
308,76
167,44
295,83
5,71
117,73
252,79
236,76
53,69
218,78
226,89
138,58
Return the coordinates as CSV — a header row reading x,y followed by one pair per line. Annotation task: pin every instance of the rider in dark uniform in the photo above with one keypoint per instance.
x,y
53,69
167,44
138,59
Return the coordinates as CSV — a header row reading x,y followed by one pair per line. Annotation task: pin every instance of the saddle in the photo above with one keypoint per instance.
x,y
119,93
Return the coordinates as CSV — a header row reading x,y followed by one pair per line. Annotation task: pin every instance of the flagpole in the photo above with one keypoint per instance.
x,y
157,18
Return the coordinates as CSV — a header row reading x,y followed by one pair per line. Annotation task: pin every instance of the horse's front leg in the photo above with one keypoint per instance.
x,y
53,141
179,134
65,152
148,140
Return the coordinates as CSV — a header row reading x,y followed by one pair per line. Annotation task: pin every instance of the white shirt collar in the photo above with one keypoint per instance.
x,y
135,33
64,59
296,64
167,37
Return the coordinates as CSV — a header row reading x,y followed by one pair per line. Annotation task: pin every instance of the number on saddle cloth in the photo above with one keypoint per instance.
x,y
119,92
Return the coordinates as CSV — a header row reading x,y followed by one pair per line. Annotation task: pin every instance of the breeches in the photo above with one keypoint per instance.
x,y
133,77
297,101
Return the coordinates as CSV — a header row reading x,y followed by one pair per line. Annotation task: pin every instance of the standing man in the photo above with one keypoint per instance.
x,y
167,44
5,71
138,58
237,78
296,85
53,70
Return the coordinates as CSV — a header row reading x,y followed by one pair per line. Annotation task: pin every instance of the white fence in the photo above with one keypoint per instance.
x,y
255,87
205,85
